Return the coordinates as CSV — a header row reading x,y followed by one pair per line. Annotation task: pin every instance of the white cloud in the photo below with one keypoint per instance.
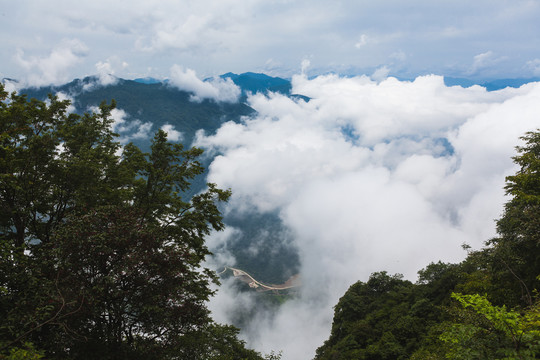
x,y
212,36
54,68
380,73
484,61
305,65
216,89
63,96
128,129
143,130
369,176
362,41
12,85
218,243
534,66
172,134
105,71
183,35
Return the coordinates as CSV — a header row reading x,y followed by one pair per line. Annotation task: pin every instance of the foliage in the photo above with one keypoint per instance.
x,y
159,104
381,319
101,245
27,352
506,334
516,252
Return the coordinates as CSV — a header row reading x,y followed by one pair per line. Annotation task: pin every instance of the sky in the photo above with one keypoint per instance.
x,y
385,168
52,42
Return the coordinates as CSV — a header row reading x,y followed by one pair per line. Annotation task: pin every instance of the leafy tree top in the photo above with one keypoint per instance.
x,y
101,245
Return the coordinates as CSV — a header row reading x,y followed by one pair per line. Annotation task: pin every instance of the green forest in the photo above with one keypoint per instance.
x,y
101,244
486,307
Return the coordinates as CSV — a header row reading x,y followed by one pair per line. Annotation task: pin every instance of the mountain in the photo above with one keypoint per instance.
x,y
491,85
155,104
147,80
504,83
150,102
259,83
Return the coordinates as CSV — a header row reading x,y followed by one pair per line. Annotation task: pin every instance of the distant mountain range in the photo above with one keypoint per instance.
x,y
157,103
254,82
257,83
491,85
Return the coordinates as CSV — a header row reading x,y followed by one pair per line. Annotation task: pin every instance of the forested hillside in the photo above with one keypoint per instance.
x,y
151,106
100,253
486,307
157,104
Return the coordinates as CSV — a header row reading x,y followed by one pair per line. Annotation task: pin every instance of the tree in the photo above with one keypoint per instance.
x,y
383,318
516,251
492,332
52,162
101,244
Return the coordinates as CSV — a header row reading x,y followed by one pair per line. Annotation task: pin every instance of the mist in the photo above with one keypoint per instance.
x,y
367,176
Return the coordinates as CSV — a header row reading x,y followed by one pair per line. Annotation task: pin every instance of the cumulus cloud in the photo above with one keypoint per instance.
x,y
11,85
52,69
143,130
63,96
172,134
380,73
128,129
368,176
362,41
216,89
484,61
305,65
183,35
105,73
534,66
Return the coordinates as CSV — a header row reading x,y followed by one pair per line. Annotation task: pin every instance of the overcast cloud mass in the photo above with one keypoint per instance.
x,y
373,173
56,41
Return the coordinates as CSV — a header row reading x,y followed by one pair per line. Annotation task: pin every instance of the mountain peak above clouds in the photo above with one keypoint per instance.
x,y
259,83
490,85
148,80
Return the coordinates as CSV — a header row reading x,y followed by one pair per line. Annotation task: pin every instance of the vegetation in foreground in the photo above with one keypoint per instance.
x,y
100,247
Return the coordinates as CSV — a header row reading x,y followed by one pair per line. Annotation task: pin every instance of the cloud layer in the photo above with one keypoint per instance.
x,y
368,176
456,38
216,89
51,69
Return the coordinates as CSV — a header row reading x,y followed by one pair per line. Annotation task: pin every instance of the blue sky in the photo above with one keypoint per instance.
x,y
56,41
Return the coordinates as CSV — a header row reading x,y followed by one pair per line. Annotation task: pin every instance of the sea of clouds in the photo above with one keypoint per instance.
x,y
367,176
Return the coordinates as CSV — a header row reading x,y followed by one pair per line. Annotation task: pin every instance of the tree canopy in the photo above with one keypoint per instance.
x,y
101,245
